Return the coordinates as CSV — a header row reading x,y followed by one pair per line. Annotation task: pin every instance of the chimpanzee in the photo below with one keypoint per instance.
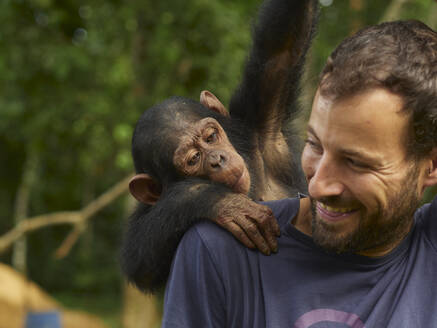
x,y
197,161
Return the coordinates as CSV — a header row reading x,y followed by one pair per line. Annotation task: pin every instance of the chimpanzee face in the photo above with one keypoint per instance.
x,y
204,150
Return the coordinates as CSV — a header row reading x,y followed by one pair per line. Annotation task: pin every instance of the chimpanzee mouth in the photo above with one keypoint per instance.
x,y
240,185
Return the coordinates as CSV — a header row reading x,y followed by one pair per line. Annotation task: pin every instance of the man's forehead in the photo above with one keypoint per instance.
x,y
321,102
370,119
361,106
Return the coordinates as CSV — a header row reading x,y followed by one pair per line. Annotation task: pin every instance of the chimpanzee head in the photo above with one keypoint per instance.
x,y
181,137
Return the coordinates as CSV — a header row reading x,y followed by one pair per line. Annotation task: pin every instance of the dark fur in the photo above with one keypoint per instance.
x,y
263,105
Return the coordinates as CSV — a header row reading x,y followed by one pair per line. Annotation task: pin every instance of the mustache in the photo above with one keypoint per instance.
x,y
336,201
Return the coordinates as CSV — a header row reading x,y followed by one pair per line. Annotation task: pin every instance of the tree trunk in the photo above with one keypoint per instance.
x,y
356,7
139,310
393,11
30,168
432,17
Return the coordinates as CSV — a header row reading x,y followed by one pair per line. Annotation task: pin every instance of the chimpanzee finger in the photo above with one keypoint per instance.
x,y
266,218
238,233
274,226
271,239
254,234
267,225
269,233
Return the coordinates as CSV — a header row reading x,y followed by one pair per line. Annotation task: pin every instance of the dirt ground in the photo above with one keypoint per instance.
x,y
18,296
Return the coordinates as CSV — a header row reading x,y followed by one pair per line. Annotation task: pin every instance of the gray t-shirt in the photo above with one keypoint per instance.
x,y
217,282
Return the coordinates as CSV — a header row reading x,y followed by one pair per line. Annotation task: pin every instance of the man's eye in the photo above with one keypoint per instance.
x,y
313,145
356,163
212,137
194,159
309,142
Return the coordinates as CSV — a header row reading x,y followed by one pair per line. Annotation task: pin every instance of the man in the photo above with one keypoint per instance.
x,y
358,252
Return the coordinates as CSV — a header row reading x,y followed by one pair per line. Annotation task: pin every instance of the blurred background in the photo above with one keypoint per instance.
x,y
74,78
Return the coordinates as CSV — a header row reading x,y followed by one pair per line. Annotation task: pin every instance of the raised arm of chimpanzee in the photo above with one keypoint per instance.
x,y
267,96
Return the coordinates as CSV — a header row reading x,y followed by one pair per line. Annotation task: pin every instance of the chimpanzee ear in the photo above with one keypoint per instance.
x,y
208,99
145,189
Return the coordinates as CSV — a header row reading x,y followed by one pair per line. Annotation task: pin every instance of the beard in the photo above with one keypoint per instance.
x,y
386,226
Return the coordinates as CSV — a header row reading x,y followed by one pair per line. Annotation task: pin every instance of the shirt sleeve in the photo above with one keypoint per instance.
x,y
194,295
429,218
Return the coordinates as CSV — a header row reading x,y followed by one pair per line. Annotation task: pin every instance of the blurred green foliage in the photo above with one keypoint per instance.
x,y
76,75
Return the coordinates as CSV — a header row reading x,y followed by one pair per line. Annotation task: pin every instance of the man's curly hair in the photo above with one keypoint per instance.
x,y
399,56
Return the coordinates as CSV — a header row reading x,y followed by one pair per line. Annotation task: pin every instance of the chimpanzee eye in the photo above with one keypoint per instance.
x,y
194,159
212,137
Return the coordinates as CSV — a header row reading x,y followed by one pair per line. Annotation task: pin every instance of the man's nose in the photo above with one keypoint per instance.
x,y
327,180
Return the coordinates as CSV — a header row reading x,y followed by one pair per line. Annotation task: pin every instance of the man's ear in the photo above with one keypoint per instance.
x,y
431,178
145,189
208,99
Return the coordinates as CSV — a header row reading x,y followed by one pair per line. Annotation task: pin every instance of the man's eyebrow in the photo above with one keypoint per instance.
x,y
363,156
348,152
354,153
311,131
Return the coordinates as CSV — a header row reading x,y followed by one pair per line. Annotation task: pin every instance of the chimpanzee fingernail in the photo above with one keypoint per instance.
x,y
275,247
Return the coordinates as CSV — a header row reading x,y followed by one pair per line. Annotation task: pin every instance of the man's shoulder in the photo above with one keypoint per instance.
x,y
284,209
214,237
426,221
211,236
426,212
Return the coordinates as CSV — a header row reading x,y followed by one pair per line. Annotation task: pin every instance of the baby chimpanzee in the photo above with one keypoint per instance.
x,y
196,160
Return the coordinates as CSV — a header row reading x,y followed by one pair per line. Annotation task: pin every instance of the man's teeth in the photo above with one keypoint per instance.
x,y
336,209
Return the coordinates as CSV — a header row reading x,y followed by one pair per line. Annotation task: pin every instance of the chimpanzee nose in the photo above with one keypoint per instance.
x,y
217,159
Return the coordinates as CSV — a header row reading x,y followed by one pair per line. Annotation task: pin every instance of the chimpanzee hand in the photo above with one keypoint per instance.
x,y
251,223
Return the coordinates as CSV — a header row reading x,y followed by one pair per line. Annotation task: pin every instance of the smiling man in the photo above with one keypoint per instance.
x,y
358,252
356,163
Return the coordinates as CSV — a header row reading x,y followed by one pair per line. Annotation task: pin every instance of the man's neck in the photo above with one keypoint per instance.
x,y
303,219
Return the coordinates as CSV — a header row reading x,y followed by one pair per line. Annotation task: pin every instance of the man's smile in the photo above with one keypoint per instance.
x,y
331,213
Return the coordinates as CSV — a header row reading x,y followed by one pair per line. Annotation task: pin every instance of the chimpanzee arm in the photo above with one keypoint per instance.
x,y
267,96
154,232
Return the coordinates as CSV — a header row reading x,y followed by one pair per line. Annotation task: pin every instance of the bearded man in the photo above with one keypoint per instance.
x,y
358,252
